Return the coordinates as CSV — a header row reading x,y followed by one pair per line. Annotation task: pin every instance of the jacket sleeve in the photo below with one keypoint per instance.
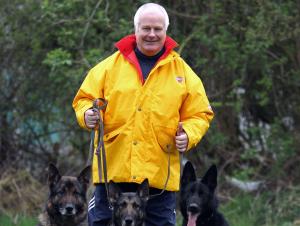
x,y
91,88
196,112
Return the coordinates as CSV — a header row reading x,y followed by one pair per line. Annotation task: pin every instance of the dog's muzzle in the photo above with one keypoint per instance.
x,y
128,221
193,208
68,210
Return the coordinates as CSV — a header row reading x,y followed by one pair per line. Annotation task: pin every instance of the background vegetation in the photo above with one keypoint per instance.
x,y
247,54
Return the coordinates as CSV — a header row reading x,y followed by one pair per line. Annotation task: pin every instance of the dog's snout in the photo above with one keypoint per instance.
x,y
193,208
128,221
70,208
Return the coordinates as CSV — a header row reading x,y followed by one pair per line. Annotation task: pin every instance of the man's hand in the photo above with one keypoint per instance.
x,y
181,139
91,118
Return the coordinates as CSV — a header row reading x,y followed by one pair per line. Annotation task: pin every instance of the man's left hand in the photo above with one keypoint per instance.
x,y
181,139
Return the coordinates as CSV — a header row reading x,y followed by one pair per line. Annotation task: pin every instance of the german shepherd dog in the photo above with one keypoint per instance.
x,y
66,204
128,207
198,203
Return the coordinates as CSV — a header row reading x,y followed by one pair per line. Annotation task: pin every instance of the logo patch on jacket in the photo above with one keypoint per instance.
x,y
180,79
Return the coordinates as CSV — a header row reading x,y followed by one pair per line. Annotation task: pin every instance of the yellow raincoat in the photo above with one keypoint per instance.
x,y
141,118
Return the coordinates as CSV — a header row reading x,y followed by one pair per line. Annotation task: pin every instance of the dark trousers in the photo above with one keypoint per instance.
x,y
160,209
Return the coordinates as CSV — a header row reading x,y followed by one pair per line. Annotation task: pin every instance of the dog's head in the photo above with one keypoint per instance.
x,y
197,195
128,207
67,197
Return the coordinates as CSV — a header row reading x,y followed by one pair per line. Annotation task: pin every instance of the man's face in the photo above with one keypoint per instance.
x,y
150,33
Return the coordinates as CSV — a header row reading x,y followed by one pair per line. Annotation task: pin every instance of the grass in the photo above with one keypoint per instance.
x,y
266,209
17,221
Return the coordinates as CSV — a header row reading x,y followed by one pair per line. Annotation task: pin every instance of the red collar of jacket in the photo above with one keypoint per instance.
x,y
127,45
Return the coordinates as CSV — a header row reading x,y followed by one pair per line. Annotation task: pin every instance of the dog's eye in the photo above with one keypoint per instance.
x,y
123,204
135,205
77,193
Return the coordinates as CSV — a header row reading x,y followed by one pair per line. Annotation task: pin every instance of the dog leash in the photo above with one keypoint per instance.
x,y
98,105
96,108
168,174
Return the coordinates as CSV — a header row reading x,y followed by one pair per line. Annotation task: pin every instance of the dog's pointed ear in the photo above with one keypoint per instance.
x,y
85,177
188,174
143,190
53,175
210,177
114,192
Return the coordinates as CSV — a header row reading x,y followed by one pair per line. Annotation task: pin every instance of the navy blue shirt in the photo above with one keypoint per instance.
x,y
147,62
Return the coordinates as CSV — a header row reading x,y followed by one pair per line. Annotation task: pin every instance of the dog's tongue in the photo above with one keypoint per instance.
x,y
192,219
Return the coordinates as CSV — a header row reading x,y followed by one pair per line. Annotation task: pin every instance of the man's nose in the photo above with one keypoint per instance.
x,y
152,32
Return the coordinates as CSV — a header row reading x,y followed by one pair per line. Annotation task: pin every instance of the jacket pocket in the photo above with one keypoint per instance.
x,y
111,131
165,137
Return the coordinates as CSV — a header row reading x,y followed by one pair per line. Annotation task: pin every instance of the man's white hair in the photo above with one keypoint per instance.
x,y
150,7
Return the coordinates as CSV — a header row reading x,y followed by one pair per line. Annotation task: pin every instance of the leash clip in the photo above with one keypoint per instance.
x,y
99,104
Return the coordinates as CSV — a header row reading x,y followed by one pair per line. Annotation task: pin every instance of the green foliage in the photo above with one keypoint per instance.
x,y
264,209
58,58
244,55
283,148
245,173
17,221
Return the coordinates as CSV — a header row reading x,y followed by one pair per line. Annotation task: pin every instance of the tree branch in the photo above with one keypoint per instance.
x,y
87,25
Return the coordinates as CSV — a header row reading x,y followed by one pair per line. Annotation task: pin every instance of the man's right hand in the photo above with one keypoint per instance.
x,y
91,118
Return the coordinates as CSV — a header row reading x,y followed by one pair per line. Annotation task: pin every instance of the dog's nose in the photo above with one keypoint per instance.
x,y
70,208
193,208
128,221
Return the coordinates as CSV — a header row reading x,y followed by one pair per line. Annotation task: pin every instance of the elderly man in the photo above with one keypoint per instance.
x,y
157,108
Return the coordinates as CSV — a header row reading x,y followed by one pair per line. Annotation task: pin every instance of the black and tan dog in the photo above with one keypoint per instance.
x,y
66,204
128,207
198,202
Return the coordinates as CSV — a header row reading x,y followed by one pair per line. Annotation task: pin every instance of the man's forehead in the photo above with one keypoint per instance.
x,y
152,13
149,24
151,19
